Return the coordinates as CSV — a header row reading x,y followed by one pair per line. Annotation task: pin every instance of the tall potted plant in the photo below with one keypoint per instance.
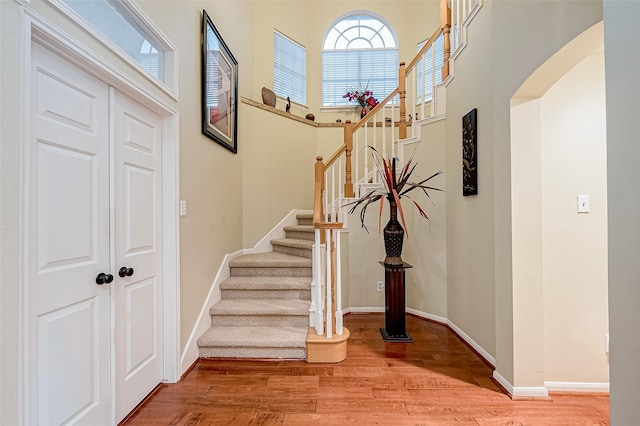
x,y
395,186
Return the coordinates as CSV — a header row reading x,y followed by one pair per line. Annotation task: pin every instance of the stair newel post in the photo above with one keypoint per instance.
x,y
445,23
348,141
402,89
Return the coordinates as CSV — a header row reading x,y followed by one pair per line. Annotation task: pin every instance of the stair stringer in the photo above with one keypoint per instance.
x,y
191,351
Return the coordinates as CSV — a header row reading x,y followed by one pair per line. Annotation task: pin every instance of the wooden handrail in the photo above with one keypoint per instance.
x,y
424,49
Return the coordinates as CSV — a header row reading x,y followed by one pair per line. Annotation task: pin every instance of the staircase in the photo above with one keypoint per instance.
x,y
264,310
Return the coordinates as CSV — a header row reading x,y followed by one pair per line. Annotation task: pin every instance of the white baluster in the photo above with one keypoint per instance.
x,y
329,326
318,278
337,234
356,173
333,193
315,267
365,154
325,198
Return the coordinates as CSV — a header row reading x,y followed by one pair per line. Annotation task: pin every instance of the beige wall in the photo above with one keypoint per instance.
x,y
210,176
425,247
307,21
505,46
621,34
278,158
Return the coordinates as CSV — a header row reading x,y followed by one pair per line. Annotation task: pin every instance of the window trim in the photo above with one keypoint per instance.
x,y
144,25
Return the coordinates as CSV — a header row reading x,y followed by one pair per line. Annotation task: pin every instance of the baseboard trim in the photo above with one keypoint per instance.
x,y
577,387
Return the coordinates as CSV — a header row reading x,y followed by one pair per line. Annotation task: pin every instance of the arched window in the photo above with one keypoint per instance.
x,y
358,50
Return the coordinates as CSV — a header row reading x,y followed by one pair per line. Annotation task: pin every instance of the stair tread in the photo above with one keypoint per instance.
x,y
292,242
266,283
270,259
299,228
280,337
246,307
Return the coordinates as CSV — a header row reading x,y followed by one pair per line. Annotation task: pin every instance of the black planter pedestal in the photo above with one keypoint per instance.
x,y
394,304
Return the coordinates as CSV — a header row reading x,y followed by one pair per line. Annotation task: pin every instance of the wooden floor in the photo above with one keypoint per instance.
x,y
437,380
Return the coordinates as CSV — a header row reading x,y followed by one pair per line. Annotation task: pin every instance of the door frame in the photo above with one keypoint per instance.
x,y
37,29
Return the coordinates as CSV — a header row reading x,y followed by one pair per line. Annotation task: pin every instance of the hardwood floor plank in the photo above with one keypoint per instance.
x,y
437,380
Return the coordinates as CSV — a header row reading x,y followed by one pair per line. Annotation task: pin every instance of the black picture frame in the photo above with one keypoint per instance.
x,y
219,88
470,153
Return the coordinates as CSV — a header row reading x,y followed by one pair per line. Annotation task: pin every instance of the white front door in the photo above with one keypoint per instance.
x,y
137,166
94,233
68,238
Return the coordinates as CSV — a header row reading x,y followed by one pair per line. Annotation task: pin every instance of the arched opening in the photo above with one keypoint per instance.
x,y
558,152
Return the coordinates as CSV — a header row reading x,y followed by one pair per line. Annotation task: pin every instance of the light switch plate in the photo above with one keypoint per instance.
x,y
583,204
183,208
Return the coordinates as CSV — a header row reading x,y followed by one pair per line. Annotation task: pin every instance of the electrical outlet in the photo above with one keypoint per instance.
x,y
380,285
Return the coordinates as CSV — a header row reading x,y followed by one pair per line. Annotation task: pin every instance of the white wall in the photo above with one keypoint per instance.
x,y
573,121
622,33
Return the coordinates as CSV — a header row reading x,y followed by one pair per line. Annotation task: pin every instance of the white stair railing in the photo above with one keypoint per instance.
x,y
383,128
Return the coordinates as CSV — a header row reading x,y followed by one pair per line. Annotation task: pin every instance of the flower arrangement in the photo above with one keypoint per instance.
x,y
364,97
394,187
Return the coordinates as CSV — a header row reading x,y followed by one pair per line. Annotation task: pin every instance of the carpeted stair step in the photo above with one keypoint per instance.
x,y
260,313
293,247
305,219
300,232
284,288
270,264
254,342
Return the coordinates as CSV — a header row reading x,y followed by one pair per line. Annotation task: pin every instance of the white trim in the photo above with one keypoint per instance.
x,y
425,315
529,392
486,355
170,85
503,382
521,391
171,251
362,310
191,351
577,387
37,29
277,232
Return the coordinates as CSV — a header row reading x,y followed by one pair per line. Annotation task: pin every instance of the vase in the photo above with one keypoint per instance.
x,y
393,237
363,112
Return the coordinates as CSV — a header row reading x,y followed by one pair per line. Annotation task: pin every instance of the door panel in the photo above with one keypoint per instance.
x,y
138,245
68,237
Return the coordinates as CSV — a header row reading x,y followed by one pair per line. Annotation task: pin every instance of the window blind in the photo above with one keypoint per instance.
x,y
426,89
344,70
289,69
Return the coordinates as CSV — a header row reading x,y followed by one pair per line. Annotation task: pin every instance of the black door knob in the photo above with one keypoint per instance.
x,y
103,278
125,272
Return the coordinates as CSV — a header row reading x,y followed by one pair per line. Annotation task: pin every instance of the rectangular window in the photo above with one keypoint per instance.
x,y
125,30
425,67
289,69
344,70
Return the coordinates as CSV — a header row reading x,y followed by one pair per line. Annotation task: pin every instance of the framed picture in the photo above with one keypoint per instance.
x,y
219,88
470,153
